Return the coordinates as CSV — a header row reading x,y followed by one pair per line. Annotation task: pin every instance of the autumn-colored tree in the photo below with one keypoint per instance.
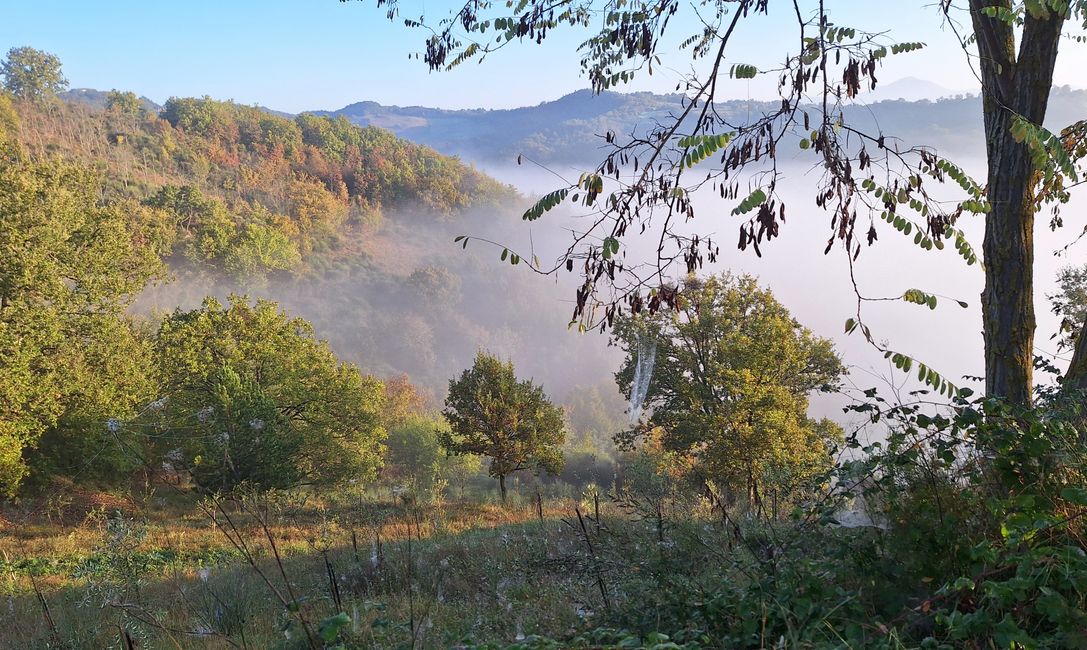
x,y
730,384
315,209
403,401
513,423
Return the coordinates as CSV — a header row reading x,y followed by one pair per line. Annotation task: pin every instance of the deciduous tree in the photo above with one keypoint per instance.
x,y
511,422
69,265
730,384
254,396
32,74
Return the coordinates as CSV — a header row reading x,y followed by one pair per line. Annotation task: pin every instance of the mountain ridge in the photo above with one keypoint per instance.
x,y
569,130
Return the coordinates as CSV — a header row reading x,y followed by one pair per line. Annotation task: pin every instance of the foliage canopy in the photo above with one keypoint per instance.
x,y
31,74
513,423
262,400
69,265
730,385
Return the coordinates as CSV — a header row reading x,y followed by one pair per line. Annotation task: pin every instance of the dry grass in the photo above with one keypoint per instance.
x,y
169,576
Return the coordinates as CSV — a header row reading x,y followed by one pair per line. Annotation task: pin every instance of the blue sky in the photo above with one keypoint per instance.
x,y
296,55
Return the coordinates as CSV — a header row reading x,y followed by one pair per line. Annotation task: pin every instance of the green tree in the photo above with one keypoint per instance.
x,y
259,249
597,412
32,74
1070,303
490,413
256,397
106,383
69,266
209,231
730,384
414,446
1012,47
192,114
124,103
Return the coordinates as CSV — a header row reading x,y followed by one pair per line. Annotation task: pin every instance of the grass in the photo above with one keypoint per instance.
x,y
166,575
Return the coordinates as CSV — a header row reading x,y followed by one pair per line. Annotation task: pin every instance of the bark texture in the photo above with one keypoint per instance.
x,y
1012,84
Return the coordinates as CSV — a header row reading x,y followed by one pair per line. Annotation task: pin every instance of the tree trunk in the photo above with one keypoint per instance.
x,y
1076,377
1008,250
1011,86
502,486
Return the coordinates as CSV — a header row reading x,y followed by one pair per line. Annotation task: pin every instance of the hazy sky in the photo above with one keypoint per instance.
x,y
296,55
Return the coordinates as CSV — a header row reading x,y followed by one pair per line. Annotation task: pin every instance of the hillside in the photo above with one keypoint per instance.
x,y
350,227
286,195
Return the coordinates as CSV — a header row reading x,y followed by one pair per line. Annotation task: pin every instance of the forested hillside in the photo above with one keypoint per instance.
x,y
316,381
246,192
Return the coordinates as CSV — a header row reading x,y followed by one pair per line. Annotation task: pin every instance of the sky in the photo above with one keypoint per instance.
x,y
296,55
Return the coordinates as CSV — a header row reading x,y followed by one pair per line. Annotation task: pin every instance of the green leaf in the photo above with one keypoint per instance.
x,y
701,147
1076,495
743,71
753,200
610,247
330,628
548,202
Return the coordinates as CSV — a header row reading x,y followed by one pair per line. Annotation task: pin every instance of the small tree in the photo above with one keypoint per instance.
x,y
1070,303
511,422
32,74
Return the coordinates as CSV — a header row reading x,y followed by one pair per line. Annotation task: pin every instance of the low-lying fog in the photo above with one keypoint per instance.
x,y
818,290
422,305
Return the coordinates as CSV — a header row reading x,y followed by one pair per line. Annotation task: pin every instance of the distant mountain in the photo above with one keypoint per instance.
x,y
568,130
97,99
910,89
565,130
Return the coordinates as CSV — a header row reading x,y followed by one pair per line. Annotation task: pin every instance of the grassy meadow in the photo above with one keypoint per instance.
x,y
167,571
